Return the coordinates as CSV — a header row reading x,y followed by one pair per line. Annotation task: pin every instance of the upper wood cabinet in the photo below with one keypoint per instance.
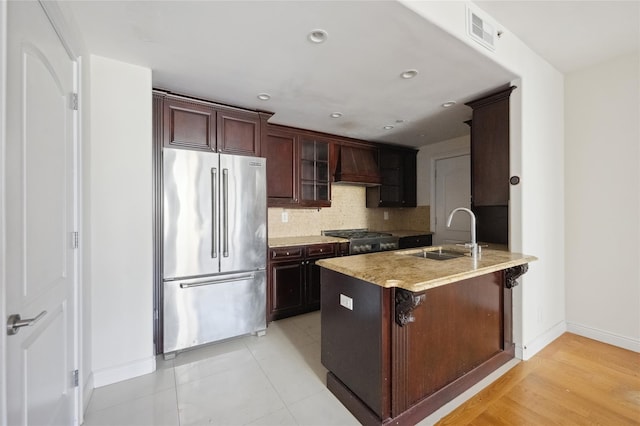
x,y
398,170
315,190
298,168
490,149
280,148
490,166
189,124
204,126
238,132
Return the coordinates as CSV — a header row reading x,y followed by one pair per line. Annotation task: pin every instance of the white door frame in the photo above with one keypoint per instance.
x,y
3,127
72,45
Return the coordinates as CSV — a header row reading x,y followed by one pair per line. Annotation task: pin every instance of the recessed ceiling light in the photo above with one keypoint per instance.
x,y
388,127
318,36
448,104
335,115
264,96
409,74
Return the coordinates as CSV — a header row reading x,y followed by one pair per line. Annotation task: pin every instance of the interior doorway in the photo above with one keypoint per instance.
x,y
41,216
452,189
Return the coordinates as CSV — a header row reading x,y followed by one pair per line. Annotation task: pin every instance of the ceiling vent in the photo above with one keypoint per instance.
x,y
481,30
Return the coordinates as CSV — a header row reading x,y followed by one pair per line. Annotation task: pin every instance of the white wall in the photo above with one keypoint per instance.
x,y
537,156
118,261
603,201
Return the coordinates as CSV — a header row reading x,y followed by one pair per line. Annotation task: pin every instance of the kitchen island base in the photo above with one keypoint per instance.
x,y
395,356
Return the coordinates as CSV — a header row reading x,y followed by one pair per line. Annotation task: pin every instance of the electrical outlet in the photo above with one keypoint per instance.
x,y
346,301
285,217
386,215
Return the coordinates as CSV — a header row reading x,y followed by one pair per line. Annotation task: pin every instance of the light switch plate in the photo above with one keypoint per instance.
x,y
285,217
346,301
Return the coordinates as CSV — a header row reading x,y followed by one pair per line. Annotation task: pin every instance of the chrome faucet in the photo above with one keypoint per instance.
x,y
473,245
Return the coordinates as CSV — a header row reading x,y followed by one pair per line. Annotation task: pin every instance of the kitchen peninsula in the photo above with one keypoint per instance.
x,y
403,334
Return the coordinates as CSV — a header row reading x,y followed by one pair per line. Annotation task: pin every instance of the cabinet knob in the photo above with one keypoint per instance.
x,y
287,253
320,250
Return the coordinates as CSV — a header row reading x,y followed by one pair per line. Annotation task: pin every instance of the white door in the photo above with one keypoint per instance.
x,y
39,173
453,189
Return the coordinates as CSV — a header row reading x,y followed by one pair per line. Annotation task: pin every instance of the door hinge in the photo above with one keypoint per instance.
x,y
74,240
73,101
75,378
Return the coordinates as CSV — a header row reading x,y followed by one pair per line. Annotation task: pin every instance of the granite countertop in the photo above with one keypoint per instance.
x,y
303,241
393,269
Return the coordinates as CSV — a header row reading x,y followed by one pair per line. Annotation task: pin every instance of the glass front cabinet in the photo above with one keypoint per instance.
x,y
314,173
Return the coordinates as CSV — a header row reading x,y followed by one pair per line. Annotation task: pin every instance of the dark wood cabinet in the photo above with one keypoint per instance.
x,y
280,148
298,168
238,132
490,166
387,370
205,126
315,190
293,285
189,124
490,149
398,170
415,241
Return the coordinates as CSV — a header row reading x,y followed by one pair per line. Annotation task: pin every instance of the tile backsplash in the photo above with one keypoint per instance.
x,y
348,210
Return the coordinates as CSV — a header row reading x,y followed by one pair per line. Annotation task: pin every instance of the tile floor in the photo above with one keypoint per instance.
x,y
276,379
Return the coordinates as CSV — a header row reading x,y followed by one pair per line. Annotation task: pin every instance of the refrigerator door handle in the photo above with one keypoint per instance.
x,y
220,281
214,212
225,212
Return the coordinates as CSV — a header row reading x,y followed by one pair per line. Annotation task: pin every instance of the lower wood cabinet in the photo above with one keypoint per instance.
x,y
293,283
415,241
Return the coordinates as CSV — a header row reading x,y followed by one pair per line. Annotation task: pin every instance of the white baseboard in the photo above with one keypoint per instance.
x,y
534,346
604,336
107,376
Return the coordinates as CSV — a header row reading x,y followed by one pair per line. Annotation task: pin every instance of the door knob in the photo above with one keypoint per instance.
x,y
14,323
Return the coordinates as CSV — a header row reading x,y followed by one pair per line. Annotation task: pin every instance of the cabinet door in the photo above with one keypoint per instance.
x,y
238,133
490,150
398,170
314,253
282,175
287,289
409,172
313,285
189,124
392,184
314,173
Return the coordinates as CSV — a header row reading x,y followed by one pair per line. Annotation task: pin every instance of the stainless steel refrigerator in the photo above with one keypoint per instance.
x,y
214,251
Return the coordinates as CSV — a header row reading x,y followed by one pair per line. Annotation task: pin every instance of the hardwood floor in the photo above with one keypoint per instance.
x,y
573,381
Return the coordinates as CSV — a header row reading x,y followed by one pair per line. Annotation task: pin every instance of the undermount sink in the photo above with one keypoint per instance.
x,y
438,254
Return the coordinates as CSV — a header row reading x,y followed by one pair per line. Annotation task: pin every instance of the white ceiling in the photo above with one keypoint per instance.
x,y
230,51
571,35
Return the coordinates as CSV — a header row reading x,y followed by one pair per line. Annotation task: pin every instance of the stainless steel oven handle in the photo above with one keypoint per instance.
x,y
220,281
225,213
214,212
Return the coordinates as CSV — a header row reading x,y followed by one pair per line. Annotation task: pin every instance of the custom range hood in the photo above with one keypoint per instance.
x,y
357,166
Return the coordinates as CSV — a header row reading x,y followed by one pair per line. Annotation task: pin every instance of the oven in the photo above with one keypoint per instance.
x,y
365,241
